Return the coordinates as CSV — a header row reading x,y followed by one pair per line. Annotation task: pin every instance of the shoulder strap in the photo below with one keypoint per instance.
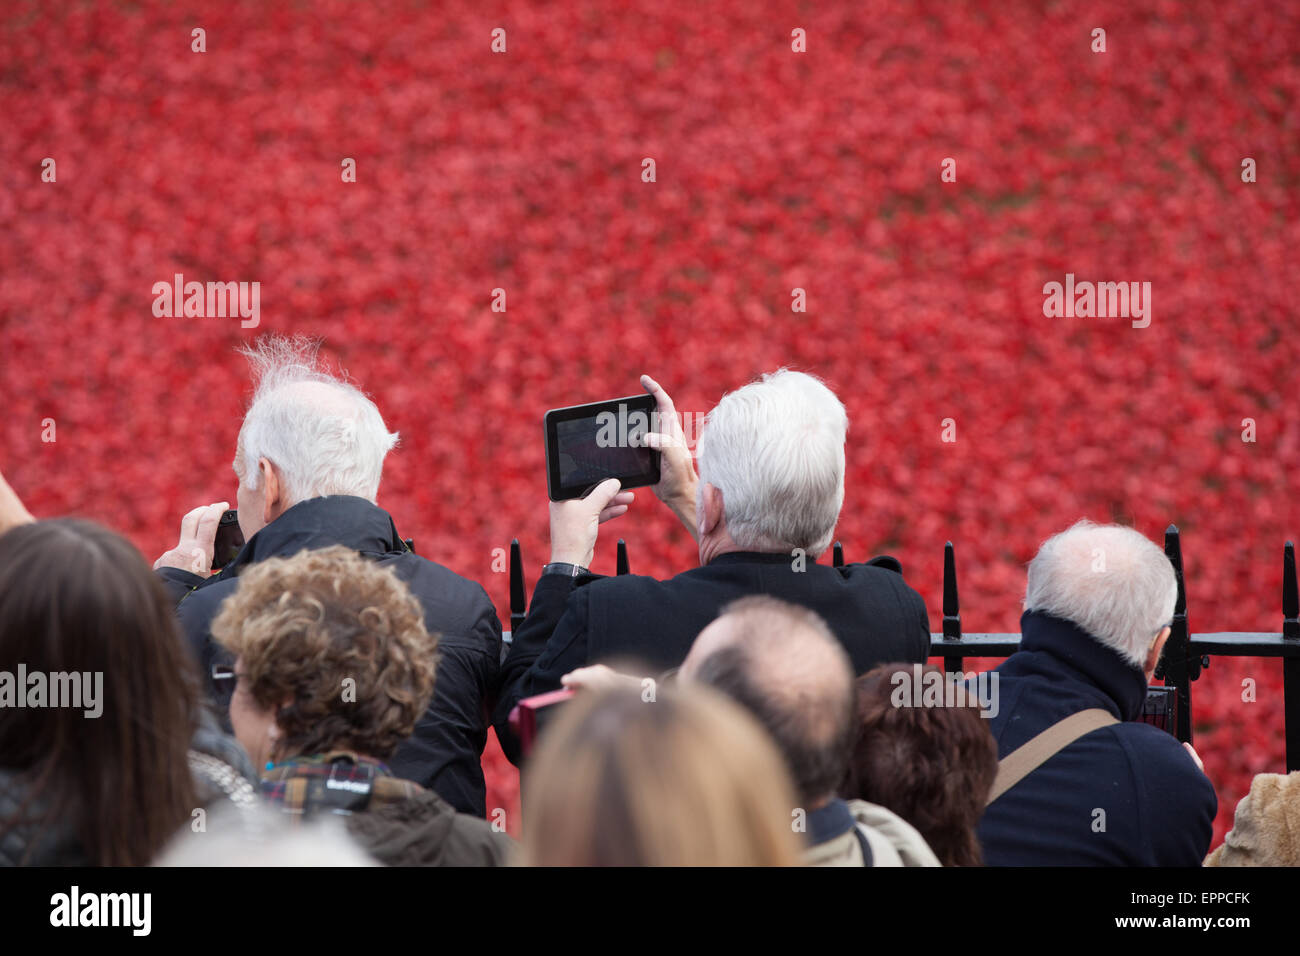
x,y
1035,752
868,858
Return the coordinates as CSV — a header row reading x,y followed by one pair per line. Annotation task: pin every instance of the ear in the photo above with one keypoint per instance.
x,y
1153,656
271,491
711,516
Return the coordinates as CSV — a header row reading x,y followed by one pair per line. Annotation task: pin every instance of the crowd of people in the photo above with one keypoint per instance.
x,y
760,708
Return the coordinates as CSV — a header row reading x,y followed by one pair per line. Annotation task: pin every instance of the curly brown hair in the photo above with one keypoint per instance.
x,y
933,766
303,625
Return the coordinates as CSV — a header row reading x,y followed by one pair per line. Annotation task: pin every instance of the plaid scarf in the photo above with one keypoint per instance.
x,y
337,782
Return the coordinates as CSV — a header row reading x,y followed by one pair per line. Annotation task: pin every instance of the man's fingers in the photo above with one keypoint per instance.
x,y
12,510
661,441
617,506
190,524
209,521
613,511
667,411
586,676
1195,756
604,493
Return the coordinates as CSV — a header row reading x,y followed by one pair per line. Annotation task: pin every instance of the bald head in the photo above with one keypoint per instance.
x,y
784,665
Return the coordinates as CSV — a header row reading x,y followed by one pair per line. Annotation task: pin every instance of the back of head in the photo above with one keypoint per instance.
x,y
687,779
782,664
775,449
932,765
323,434
1110,581
105,751
339,636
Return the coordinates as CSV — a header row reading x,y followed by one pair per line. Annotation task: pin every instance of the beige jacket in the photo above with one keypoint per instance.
x,y
1266,829
893,841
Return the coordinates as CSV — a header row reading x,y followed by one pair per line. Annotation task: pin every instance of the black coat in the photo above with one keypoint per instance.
x,y
869,607
1158,806
445,751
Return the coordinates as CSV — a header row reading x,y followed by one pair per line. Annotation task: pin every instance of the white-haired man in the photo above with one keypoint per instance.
x,y
1102,790
762,509
309,459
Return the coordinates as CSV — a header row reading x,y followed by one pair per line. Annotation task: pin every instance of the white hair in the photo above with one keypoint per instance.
x,y
324,436
1108,580
775,449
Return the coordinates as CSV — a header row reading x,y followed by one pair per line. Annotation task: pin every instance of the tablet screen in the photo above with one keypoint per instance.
x,y
585,444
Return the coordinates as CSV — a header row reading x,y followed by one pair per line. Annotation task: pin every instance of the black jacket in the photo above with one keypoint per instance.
x,y
869,607
445,751
1156,807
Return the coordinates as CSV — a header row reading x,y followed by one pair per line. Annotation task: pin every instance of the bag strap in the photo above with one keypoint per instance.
x,y
1035,752
868,859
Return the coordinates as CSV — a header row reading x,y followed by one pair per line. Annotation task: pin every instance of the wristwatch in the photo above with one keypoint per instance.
x,y
564,568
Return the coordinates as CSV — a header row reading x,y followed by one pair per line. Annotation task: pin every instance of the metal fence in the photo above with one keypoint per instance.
x,y
1185,654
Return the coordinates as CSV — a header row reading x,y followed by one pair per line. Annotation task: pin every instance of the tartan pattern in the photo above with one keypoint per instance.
x,y
337,782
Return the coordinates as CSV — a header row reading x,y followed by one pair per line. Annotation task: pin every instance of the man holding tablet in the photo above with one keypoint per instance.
x,y
762,509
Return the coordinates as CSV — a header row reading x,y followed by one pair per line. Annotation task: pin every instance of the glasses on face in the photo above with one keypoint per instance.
x,y
224,677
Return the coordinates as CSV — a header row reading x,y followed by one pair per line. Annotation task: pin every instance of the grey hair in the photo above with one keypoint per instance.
x,y
1109,580
775,449
783,664
323,434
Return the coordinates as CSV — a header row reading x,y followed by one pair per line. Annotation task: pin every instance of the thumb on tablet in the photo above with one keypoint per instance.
x,y
603,493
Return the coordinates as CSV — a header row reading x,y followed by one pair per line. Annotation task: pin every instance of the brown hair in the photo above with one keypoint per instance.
x,y
76,597
687,779
303,625
932,765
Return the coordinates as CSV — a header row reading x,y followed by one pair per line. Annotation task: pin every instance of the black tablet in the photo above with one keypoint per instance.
x,y
585,444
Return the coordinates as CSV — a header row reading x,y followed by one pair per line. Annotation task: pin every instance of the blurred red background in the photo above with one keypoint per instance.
x,y
775,170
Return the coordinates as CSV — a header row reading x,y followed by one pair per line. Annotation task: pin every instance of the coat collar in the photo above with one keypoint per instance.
x,y
756,557
827,822
353,522
1093,661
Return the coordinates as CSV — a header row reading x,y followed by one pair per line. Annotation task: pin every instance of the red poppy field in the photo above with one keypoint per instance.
x,y
774,171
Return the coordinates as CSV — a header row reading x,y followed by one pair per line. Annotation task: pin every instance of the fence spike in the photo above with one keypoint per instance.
x,y
1174,552
1178,666
1290,594
518,599
951,608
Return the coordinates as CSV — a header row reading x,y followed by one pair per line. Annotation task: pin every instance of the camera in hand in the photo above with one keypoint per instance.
x,y
1161,708
228,541
586,444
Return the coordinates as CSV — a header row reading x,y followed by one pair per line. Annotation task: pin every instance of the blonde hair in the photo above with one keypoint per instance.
x,y
687,779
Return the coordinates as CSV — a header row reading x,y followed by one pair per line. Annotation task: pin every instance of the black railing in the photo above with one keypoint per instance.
x,y
1184,657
